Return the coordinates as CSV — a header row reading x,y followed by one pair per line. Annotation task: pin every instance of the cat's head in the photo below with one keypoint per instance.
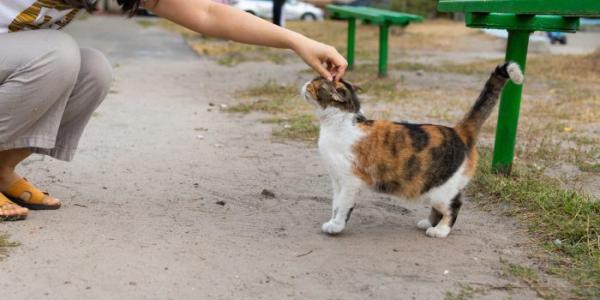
x,y
324,94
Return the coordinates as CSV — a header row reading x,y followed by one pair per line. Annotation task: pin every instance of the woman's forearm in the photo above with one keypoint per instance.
x,y
219,20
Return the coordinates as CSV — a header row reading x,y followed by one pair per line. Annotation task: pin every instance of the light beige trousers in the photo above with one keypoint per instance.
x,y
49,88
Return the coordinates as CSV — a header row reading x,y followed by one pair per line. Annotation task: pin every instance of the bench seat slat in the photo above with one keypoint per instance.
x,y
373,15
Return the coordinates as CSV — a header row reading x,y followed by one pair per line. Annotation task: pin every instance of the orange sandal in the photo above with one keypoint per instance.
x,y
5,202
35,201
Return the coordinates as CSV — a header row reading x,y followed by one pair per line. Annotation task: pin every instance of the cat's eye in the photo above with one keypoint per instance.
x,y
323,93
342,91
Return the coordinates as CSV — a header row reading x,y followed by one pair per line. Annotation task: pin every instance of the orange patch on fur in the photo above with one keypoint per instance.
x,y
403,159
386,156
310,89
473,158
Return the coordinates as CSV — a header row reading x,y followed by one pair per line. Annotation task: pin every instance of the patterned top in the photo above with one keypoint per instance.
x,y
16,15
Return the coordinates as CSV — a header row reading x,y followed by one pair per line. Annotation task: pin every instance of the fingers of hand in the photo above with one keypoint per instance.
x,y
336,64
324,72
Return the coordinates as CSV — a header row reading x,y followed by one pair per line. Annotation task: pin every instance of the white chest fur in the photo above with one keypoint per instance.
x,y
337,136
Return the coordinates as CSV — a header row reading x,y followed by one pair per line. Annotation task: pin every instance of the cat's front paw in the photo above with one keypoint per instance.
x,y
438,231
424,224
332,227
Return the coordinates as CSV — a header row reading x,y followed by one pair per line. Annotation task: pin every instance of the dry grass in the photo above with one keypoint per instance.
x,y
5,245
554,68
293,117
228,53
563,222
433,35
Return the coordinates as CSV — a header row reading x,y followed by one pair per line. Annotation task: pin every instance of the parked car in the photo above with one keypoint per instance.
x,y
557,37
292,10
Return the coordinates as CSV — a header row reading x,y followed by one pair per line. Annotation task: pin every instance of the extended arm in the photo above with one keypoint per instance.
x,y
218,20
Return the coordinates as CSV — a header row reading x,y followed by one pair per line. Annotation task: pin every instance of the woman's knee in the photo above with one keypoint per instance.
x,y
63,55
96,70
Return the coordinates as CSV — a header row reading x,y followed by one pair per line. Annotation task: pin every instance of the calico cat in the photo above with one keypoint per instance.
x,y
412,161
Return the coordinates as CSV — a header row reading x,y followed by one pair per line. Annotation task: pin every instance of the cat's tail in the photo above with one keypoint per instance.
x,y
470,125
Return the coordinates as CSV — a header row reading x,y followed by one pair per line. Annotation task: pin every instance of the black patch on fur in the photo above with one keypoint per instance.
x,y
502,70
387,138
360,118
349,214
419,137
350,95
347,100
388,187
365,121
488,92
435,217
455,205
395,142
413,166
445,159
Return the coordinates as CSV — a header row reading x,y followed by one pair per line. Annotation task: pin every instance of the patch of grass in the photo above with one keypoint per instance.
x,y
531,277
269,97
565,68
230,54
292,116
542,149
227,53
300,127
270,89
465,292
429,35
551,214
521,272
5,245
585,140
145,23
587,167
386,89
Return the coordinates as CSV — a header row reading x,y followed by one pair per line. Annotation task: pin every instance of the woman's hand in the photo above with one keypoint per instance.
x,y
325,59
218,20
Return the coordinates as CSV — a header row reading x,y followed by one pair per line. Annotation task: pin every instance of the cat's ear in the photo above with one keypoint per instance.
x,y
353,87
356,88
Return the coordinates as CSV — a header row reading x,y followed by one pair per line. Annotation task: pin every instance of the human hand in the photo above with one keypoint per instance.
x,y
324,59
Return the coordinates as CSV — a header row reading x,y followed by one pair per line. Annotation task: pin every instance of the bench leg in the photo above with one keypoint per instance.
x,y
351,42
510,103
383,48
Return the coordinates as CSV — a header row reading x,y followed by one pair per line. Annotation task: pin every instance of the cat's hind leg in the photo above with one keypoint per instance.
x,y
434,218
343,204
449,210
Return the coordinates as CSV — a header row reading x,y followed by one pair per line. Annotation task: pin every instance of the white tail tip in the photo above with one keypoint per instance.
x,y
515,73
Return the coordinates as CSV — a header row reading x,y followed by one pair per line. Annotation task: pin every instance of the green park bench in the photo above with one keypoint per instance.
x,y
520,18
381,17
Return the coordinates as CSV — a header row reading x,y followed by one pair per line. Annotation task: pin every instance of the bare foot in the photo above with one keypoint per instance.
x,y
10,210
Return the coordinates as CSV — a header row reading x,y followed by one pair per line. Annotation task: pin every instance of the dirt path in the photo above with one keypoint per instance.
x,y
140,219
